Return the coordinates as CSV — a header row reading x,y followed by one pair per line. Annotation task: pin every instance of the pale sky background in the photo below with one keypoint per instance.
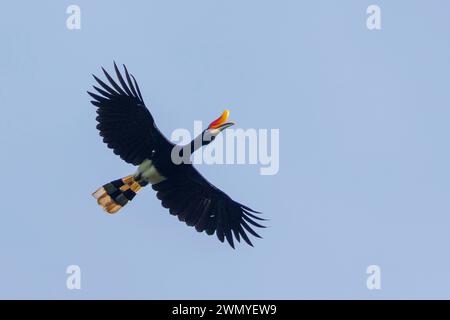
x,y
364,119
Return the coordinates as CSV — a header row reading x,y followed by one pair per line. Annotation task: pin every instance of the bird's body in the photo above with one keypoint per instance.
x,y
128,128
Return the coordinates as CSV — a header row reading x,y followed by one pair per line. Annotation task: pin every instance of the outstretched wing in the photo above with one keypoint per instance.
x,y
198,203
124,121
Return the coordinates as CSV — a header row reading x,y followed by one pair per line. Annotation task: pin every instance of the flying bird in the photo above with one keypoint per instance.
x,y
128,128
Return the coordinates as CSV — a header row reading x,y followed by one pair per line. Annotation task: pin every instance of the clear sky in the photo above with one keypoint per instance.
x,y
364,173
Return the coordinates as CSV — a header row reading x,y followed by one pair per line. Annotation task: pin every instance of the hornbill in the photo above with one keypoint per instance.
x,y
128,128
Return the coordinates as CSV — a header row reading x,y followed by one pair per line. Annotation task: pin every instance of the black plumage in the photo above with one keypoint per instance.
x,y
128,128
124,122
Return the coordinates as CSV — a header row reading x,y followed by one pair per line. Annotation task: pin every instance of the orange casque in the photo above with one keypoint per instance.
x,y
219,121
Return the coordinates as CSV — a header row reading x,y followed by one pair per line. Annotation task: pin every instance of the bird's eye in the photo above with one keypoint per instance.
x,y
212,138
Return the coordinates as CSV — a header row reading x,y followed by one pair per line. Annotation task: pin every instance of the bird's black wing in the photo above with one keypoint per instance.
x,y
124,121
198,203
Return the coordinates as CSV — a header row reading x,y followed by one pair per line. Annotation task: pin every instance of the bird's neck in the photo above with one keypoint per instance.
x,y
195,144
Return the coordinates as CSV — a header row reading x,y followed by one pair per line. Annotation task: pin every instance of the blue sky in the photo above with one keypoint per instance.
x,y
364,158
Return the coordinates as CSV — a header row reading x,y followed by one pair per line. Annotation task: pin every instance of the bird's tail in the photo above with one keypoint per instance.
x,y
115,195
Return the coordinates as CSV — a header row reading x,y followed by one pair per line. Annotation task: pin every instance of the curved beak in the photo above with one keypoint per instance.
x,y
226,125
221,122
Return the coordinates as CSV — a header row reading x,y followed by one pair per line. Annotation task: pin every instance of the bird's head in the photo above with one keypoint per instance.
x,y
216,127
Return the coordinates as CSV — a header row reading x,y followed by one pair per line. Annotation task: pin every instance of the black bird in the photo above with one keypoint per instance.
x,y
128,128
